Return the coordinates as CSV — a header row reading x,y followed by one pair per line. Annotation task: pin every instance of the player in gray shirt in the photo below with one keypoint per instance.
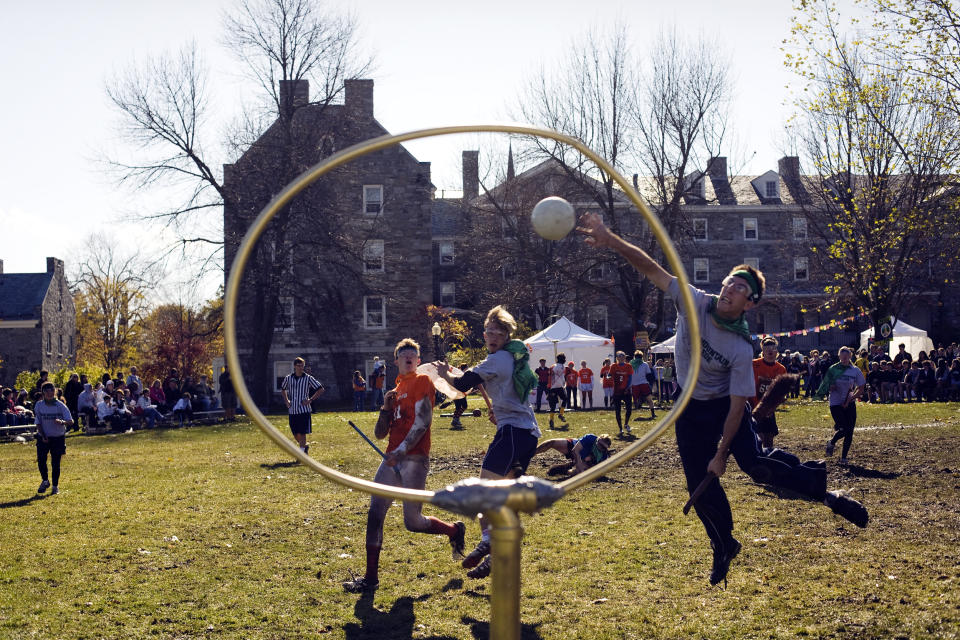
x,y
52,420
716,422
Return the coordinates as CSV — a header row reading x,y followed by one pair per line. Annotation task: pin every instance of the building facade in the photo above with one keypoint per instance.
x,y
37,322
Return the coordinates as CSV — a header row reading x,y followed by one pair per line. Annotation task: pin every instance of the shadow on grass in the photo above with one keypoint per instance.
x,y
481,630
22,503
279,465
396,624
864,472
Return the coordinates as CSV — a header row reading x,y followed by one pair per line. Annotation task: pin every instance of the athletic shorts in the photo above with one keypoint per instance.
x,y
56,446
510,450
300,423
640,390
767,425
586,386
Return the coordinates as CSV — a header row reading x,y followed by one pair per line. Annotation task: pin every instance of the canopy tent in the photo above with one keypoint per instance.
x,y
577,344
667,346
916,340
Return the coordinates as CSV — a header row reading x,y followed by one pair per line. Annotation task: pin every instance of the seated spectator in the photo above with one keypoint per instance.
x,y
955,380
122,412
943,381
874,380
23,400
158,397
134,379
148,410
183,410
87,405
9,417
204,396
927,382
105,412
911,382
889,382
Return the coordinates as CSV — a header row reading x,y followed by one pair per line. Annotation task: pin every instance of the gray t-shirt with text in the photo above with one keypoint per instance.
x,y
726,367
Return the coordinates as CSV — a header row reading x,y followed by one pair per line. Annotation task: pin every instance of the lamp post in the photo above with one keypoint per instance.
x,y
436,332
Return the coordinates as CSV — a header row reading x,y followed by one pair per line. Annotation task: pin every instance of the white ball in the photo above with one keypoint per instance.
x,y
553,218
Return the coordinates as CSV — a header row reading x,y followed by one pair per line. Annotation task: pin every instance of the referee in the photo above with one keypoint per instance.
x,y
299,389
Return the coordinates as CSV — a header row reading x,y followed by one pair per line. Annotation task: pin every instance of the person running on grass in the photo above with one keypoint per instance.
x,y
765,371
406,417
582,453
508,379
845,383
717,421
52,419
556,396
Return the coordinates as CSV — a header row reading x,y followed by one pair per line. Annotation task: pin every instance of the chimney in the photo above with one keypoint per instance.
x,y
295,93
358,97
471,175
789,169
717,170
54,265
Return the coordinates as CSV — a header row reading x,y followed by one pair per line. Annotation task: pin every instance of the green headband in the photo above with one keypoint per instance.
x,y
746,275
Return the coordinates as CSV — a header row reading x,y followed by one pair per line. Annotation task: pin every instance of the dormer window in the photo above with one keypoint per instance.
x,y
772,188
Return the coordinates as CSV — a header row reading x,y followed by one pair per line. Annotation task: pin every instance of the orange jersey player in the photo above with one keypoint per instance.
x,y
765,371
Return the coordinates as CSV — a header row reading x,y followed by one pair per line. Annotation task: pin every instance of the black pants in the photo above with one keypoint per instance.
x,y
699,429
625,399
542,389
56,447
572,398
844,420
554,397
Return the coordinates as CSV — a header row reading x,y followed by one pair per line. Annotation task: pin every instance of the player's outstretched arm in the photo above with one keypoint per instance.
x,y
598,235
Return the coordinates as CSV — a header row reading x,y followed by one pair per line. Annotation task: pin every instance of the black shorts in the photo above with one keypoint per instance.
x,y
56,446
767,425
300,423
510,450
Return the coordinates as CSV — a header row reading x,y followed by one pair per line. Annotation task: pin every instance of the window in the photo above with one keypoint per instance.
x,y
800,269
284,321
372,198
281,369
596,272
753,262
749,228
799,228
447,255
49,343
699,228
448,292
597,320
60,344
701,270
373,256
772,189
374,312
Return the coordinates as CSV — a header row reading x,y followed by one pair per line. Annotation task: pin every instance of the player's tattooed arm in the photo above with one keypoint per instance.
x,y
386,415
421,422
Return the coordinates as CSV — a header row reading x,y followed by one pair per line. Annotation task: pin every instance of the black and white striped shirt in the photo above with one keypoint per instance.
x,y
298,390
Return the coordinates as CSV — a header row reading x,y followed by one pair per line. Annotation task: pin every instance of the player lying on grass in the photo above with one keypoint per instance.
x,y
405,417
582,453
717,421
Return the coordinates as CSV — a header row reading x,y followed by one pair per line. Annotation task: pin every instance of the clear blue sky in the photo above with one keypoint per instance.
x,y
438,63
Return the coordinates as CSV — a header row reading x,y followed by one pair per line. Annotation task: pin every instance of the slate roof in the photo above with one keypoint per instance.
x,y
21,295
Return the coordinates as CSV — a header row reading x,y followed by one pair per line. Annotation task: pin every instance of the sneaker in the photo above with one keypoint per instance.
x,y
482,570
628,429
473,558
456,424
847,507
551,423
722,560
457,540
562,419
55,490
360,585
830,447
43,486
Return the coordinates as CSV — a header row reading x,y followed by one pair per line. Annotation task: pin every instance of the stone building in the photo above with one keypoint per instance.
x,y
37,322
348,270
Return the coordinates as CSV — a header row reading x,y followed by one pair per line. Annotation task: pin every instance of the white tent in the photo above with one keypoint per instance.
x,y
577,344
916,340
667,346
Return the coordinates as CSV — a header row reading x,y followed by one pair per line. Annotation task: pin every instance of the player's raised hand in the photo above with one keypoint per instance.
x,y
597,234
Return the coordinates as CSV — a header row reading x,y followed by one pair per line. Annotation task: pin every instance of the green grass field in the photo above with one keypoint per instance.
x,y
211,532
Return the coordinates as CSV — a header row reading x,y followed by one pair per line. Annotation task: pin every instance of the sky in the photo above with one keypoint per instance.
x,y
437,63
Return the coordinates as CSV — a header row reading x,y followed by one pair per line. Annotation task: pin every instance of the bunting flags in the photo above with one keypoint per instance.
x,y
833,324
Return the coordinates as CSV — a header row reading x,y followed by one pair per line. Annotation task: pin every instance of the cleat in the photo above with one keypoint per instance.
x,y
847,507
473,558
360,585
55,490
551,423
628,429
830,447
721,562
456,424
562,419
842,461
457,540
43,486
482,570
